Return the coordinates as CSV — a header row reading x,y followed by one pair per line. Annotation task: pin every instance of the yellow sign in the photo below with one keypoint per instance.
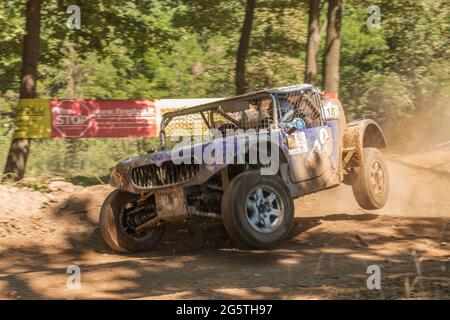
x,y
33,119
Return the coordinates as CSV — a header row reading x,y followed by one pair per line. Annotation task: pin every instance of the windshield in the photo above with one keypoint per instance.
x,y
253,111
248,112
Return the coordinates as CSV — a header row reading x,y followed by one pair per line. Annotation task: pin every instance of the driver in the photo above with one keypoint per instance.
x,y
300,121
285,106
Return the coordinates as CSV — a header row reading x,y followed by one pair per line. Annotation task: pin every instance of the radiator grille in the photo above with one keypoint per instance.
x,y
151,176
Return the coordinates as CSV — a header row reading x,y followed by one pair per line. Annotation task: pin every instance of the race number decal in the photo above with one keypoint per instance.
x,y
330,111
317,146
323,135
325,141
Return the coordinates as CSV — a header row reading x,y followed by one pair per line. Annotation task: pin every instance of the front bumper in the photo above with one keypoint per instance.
x,y
121,176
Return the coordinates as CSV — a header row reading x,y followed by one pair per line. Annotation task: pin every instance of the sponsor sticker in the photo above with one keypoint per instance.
x,y
33,119
298,143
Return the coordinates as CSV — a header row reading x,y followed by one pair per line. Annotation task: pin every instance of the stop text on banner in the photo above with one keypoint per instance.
x,y
89,118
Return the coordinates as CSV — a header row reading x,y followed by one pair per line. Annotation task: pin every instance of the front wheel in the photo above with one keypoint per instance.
x,y
371,187
257,210
118,224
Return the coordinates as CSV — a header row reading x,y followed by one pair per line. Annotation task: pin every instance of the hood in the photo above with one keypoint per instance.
x,y
120,175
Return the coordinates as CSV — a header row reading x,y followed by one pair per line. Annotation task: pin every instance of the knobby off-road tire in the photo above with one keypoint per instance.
x,y
371,187
249,197
113,226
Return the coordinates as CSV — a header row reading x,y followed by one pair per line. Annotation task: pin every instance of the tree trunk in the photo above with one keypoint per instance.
x,y
18,152
244,44
313,42
333,46
73,145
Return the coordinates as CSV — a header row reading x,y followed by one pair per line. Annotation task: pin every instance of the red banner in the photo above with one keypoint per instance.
x,y
103,118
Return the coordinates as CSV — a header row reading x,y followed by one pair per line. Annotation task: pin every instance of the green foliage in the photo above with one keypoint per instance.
x,y
278,41
12,30
386,73
187,48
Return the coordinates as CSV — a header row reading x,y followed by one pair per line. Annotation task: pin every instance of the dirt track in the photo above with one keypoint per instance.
x,y
331,247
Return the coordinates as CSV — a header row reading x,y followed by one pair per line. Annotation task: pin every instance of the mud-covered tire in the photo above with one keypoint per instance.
x,y
237,217
113,230
371,187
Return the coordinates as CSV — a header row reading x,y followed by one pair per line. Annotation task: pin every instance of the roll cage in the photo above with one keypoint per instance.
x,y
257,110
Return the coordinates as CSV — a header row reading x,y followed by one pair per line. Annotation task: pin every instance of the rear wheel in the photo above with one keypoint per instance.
x,y
118,222
257,210
371,187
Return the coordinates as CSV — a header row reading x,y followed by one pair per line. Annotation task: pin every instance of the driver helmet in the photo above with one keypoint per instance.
x,y
284,105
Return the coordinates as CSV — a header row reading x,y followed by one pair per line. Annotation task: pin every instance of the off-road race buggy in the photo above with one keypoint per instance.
x,y
219,168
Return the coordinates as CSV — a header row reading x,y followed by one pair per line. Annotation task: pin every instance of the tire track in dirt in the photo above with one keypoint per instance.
x,y
327,255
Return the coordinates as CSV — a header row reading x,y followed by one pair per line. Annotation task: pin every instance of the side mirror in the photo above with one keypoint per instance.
x,y
289,116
